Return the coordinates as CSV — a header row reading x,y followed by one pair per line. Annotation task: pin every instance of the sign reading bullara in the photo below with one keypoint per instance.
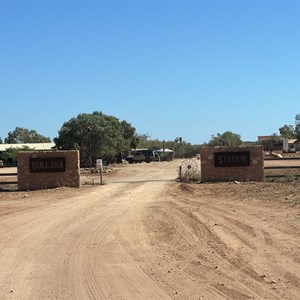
x,y
232,159
49,164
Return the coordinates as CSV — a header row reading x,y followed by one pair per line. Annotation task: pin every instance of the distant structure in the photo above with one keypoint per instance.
x,y
284,144
35,146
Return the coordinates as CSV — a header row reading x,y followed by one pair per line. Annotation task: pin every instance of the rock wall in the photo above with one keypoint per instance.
x,y
232,163
48,169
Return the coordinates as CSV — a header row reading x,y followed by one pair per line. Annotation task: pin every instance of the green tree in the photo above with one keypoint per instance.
x,y
1,142
9,156
24,136
181,148
272,143
228,138
97,135
144,141
287,131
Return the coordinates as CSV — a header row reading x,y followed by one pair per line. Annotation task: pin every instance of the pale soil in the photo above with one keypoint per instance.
x,y
143,235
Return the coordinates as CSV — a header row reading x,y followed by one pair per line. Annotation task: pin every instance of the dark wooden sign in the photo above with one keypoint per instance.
x,y
232,159
46,165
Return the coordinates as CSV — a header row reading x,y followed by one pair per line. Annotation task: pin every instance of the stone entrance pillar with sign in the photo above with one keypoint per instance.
x,y
48,169
232,164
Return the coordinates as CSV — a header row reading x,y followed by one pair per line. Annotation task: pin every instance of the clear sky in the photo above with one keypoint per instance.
x,y
170,68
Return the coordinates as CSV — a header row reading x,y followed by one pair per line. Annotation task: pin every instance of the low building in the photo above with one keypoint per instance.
x,y
12,161
165,154
288,144
278,143
34,146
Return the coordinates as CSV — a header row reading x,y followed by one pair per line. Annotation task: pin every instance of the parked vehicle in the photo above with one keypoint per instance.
x,y
292,150
140,155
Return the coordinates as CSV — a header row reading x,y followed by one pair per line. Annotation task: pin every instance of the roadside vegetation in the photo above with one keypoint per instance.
x,y
97,135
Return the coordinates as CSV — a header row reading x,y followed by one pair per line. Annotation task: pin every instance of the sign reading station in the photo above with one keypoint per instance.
x,y
232,159
45,165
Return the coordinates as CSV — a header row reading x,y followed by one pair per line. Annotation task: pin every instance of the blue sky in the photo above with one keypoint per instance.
x,y
170,68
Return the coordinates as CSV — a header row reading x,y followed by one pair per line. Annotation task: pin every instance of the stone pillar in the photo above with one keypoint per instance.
x,y
232,163
48,169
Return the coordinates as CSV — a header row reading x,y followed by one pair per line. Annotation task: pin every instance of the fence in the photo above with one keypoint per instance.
x,y
282,167
5,180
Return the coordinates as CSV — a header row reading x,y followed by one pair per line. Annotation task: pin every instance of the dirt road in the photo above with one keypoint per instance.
x,y
143,235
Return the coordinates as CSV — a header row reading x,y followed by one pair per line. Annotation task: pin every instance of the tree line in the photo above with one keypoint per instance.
x,y
97,135
291,131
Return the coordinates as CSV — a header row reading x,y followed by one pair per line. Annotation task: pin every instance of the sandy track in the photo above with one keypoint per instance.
x,y
80,246
145,236
225,248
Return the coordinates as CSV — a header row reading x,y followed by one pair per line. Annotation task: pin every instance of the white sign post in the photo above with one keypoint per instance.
x,y
99,166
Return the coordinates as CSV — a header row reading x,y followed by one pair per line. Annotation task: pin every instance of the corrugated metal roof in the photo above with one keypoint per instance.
x,y
292,141
35,146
